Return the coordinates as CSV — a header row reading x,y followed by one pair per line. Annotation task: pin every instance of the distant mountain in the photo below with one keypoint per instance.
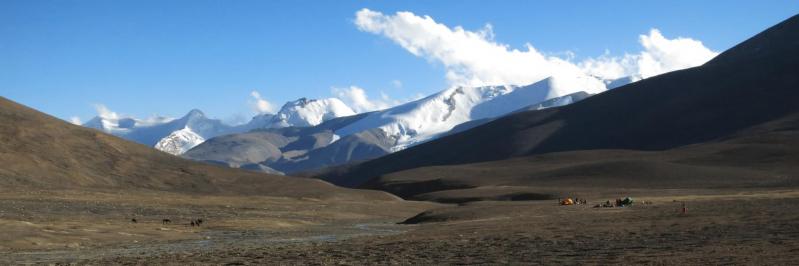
x,y
551,103
752,83
305,112
290,149
176,136
370,135
424,119
169,135
258,121
179,141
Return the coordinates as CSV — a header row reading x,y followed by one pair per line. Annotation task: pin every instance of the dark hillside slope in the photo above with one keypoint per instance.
x,y
38,151
764,156
753,83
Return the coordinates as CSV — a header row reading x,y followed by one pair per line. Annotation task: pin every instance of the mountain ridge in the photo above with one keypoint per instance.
x,y
176,136
735,91
349,139
38,151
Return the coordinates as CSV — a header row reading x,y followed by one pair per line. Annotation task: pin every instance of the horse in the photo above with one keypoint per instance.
x,y
133,220
166,221
196,222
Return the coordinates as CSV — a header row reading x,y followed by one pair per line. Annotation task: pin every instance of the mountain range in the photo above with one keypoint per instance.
x,y
298,138
731,121
176,136
366,136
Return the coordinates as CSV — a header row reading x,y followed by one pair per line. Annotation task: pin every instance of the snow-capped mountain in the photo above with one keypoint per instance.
x,y
393,129
258,121
177,136
421,120
179,141
304,112
370,135
170,135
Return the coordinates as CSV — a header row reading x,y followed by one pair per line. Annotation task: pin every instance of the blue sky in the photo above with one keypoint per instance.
x,y
142,58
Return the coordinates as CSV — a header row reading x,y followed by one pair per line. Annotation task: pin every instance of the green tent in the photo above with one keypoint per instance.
x,y
627,201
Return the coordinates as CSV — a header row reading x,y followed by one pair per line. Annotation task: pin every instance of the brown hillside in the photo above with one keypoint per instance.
x,y
38,151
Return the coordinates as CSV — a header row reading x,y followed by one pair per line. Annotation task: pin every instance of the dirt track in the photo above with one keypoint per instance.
x,y
70,226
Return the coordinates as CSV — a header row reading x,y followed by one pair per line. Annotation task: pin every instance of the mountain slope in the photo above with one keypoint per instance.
x,y
179,141
553,102
763,156
292,149
419,121
304,112
304,149
750,84
38,151
235,150
360,146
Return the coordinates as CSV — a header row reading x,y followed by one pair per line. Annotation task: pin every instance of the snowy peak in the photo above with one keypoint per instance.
x,y
195,118
424,119
166,134
202,125
404,125
258,121
304,112
177,136
179,141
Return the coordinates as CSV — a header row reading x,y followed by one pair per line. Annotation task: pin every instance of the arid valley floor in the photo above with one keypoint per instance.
x,y
740,226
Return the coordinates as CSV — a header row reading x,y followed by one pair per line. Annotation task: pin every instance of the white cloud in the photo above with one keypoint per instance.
x,y
660,55
356,98
104,112
75,120
261,105
473,58
663,55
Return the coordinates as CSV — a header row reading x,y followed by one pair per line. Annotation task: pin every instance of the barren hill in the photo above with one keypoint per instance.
x,y
38,151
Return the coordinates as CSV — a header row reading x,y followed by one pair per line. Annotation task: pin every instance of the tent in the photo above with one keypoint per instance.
x,y
627,201
567,201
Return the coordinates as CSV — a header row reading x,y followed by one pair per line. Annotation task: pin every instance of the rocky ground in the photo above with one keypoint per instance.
x,y
720,227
